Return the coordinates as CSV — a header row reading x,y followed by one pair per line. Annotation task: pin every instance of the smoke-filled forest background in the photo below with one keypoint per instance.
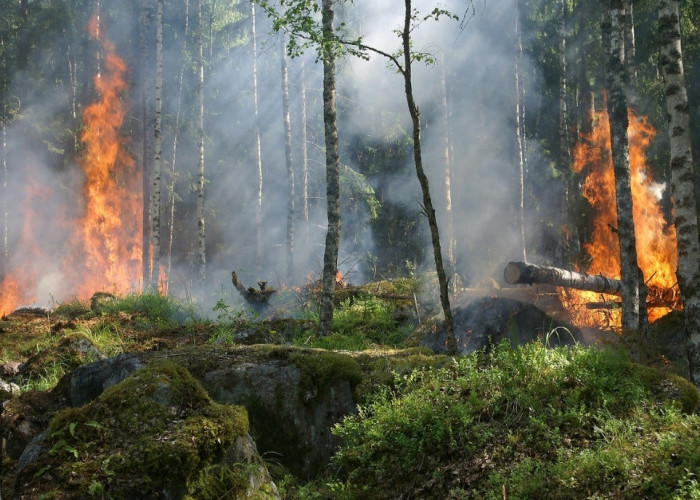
x,y
514,76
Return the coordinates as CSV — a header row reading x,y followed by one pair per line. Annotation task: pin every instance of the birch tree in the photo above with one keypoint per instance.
x,y
288,158
258,153
633,291
330,254
157,151
145,141
519,130
682,185
201,233
176,130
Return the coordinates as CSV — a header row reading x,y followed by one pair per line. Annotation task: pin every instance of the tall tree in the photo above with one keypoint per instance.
x,y
154,277
288,159
258,153
631,52
633,290
145,142
408,26
682,185
519,101
447,157
304,158
330,255
201,232
563,158
176,134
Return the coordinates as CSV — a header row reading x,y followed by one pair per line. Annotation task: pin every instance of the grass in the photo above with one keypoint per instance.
x,y
548,423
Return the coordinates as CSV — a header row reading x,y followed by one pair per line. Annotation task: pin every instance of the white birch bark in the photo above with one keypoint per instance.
x,y
288,159
258,154
201,232
176,133
682,185
157,150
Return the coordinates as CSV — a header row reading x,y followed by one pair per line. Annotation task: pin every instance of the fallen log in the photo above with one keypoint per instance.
x,y
524,273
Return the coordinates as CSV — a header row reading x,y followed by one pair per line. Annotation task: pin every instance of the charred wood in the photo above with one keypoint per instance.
x,y
524,273
256,297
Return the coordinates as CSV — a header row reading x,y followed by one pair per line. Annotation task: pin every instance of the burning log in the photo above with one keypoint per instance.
x,y
255,297
522,272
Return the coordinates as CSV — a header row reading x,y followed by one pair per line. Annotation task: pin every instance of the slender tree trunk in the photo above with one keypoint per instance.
x,y
258,154
5,225
288,160
202,259
631,52
682,186
563,162
157,150
633,291
423,180
330,256
518,132
146,236
304,160
176,133
447,157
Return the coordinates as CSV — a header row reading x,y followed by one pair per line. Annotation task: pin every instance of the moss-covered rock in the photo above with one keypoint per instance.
x,y
157,434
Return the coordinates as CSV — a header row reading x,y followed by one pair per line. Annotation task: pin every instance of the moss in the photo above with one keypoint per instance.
x,y
381,368
668,386
151,435
321,368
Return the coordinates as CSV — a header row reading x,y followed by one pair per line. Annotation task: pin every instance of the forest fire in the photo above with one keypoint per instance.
x,y
656,239
101,247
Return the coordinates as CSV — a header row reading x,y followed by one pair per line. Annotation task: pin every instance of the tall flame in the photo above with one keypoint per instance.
x,y
104,251
655,238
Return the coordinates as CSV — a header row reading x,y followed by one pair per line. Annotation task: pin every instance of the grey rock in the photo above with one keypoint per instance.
x,y
31,452
89,381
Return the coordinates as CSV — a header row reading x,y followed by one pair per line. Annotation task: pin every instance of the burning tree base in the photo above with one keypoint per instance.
x,y
257,298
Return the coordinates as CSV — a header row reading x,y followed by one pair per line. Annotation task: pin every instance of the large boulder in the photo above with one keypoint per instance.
x,y
157,434
293,398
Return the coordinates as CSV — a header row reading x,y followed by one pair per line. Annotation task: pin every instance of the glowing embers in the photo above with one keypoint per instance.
x,y
655,238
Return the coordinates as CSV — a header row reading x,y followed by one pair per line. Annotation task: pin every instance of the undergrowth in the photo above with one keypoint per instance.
x,y
543,423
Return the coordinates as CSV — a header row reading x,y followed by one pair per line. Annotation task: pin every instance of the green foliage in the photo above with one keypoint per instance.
x,y
545,422
154,309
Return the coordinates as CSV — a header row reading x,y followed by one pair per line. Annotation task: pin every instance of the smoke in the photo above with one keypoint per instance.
x,y
478,62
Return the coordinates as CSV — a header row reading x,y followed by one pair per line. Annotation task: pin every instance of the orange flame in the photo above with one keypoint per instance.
x,y
104,251
656,240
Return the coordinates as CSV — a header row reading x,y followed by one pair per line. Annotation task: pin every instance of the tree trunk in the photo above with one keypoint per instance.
x,y
176,131
258,154
5,226
633,292
682,186
423,179
529,274
447,157
146,236
631,52
202,259
288,160
157,150
304,160
518,131
563,160
330,255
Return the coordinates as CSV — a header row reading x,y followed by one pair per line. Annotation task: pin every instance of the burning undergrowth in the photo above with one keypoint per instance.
x,y
99,248
655,237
